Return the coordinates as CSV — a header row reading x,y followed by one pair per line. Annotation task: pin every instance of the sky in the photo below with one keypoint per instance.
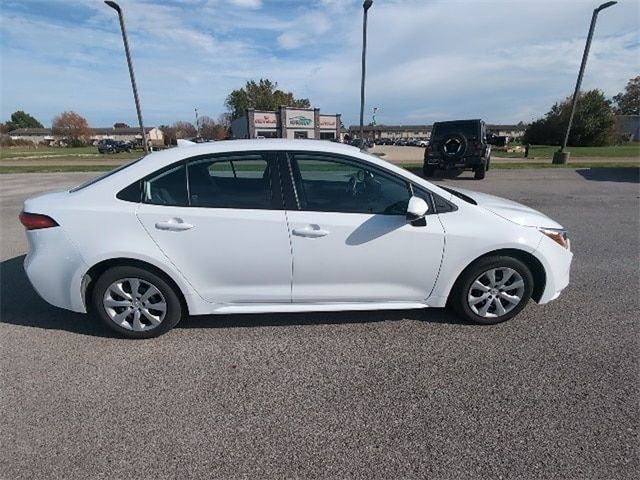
x,y
504,61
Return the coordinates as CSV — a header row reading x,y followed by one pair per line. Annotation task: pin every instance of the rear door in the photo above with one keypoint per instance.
x,y
349,235
220,220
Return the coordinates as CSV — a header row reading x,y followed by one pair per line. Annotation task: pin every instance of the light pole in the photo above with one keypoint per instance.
x,y
197,125
117,8
366,6
561,156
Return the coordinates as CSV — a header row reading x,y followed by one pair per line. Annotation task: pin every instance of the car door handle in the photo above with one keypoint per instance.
x,y
311,231
174,225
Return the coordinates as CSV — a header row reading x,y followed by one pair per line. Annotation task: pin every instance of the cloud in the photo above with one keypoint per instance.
x,y
426,60
246,3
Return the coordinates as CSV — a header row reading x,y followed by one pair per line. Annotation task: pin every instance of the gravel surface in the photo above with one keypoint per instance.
x,y
553,393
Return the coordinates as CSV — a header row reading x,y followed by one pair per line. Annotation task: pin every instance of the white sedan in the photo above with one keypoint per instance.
x,y
283,226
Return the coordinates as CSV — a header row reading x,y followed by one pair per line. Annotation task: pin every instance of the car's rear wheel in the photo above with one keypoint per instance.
x,y
480,171
492,290
135,302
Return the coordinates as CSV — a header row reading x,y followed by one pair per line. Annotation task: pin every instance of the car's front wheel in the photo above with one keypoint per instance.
x,y
135,302
492,290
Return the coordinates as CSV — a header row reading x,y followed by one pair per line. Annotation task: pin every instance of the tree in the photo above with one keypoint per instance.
x,y
210,129
184,130
72,127
263,95
593,123
22,119
628,102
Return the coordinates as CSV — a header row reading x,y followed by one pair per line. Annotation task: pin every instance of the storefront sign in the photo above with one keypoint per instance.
x,y
328,122
299,119
265,120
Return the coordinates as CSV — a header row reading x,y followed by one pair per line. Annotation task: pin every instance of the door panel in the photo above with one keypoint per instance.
x,y
220,220
229,255
350,238
364,258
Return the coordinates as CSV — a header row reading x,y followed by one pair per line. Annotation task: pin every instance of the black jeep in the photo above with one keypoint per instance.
x,y
458,144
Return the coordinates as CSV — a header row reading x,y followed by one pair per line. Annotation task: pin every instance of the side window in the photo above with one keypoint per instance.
x,y
327,183
167,188
231,181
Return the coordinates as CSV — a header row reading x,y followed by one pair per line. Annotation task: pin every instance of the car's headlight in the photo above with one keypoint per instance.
x,y
561,237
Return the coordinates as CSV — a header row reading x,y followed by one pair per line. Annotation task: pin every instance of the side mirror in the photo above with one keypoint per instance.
x,y
416,209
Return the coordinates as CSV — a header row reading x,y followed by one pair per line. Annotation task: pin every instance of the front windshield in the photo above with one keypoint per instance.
x,y
104,175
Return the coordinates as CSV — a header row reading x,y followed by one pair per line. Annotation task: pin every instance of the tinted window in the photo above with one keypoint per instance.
x,y
328,184
167,188
238,181
468,129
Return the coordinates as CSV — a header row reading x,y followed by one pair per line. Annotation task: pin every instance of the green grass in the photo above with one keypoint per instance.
x,y
55,168
546,151
74,152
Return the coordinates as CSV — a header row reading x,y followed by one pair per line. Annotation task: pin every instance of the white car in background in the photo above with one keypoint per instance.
x,y
283,226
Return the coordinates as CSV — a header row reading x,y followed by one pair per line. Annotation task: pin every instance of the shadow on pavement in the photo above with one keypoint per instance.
x,y
444,174
624,174
21,305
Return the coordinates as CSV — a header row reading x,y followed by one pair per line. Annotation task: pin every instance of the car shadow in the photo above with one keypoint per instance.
x,y
21,305
623,174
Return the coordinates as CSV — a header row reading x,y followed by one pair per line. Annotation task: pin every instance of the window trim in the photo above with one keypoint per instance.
x,y
271,157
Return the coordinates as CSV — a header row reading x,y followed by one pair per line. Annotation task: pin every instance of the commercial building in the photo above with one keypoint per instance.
x,y
287,122
379,132
126,134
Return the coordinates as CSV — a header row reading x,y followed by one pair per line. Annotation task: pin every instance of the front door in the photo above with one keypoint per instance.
x,y
224,228
350,238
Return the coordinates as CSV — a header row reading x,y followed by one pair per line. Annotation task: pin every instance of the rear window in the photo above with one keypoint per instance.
x,y
468,129
104,175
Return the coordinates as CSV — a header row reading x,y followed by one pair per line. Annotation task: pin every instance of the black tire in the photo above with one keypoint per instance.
x,y
480,171
458,298
429,171
174,310
457,139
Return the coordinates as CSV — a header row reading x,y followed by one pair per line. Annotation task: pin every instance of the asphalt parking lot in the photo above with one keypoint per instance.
x,y
553,393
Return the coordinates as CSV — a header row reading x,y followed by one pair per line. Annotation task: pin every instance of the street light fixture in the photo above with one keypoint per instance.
x,y
117,8
561,156
366,6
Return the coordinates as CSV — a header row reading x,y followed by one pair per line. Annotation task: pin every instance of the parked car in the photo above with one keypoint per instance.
x,y
250,226
113,146
423,143
458,144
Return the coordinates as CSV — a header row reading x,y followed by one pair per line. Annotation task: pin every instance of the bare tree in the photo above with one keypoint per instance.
x,y
72,127
184,130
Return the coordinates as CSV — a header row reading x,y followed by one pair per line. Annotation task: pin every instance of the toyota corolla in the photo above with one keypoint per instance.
x,y
284,226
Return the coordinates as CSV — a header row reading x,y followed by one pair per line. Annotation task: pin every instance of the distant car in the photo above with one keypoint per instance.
x,y
423,143
458,144
248,226
113,146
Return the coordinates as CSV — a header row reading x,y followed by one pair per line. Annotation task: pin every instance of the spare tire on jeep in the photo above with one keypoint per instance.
x,y
453,146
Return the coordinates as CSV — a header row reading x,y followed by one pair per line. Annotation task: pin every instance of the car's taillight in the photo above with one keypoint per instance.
x,y
35,221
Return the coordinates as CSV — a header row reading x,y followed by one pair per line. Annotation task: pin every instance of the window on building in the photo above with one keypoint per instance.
x,y
327,135
300,134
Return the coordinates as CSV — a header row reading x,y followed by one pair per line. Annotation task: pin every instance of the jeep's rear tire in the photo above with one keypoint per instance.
x,y
429,171
479,171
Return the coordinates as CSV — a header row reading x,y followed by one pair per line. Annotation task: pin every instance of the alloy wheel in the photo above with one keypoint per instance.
x,y
135,304
496,292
